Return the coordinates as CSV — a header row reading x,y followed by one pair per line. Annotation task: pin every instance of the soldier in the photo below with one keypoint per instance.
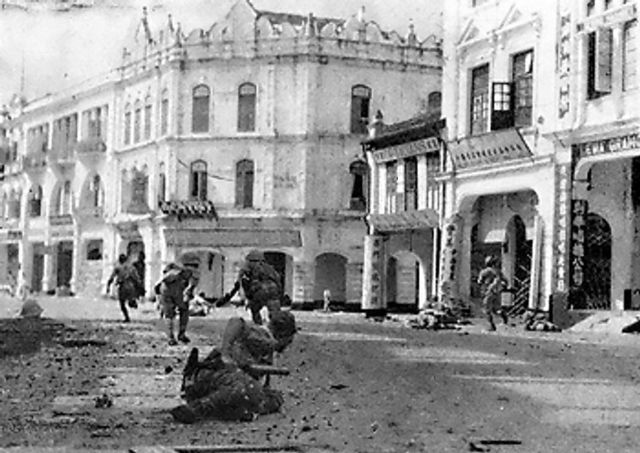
x,y
172,290
493,283
260,283
226,384
127,282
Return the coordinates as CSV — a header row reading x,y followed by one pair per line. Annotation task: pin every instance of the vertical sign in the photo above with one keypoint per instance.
x,y
372,273
564,64
578,214
448,289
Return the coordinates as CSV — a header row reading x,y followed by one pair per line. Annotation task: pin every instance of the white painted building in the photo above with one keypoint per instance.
x,y
204,144
530,90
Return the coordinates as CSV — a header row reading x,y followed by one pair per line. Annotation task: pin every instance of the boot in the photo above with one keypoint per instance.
x,y
182,327
170,328
184,414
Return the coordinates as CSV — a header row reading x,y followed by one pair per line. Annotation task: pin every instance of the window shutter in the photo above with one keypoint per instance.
x,y
203,185
501,105
248,188
603,60
194,184
239,186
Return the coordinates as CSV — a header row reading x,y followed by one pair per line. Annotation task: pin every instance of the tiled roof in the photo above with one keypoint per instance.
x,y
415,128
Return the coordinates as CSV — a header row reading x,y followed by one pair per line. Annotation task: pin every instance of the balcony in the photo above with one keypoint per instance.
x,y
60,219
185,209
34,164
90,150
63,157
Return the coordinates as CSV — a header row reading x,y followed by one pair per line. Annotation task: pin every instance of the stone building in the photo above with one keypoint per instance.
x,y
403,237
540,100
204,144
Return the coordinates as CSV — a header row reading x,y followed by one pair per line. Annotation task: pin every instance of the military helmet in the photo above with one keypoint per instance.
x,y
255,255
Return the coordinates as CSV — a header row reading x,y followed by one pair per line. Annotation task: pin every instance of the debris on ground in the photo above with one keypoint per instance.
x,y
104,401
434,319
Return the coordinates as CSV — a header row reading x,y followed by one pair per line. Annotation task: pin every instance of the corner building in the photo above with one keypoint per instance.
x,y
541,106
204,144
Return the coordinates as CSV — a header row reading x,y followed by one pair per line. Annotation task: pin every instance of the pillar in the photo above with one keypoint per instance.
x,y
372,275
354,282
77,260
4,268
302,282
48,273
423,286
536,300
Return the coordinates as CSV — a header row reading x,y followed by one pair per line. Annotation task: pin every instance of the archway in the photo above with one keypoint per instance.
x,y
403,279
597,263
331,274
209,266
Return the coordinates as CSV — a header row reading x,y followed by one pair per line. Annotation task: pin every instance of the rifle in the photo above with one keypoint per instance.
x,y
269,370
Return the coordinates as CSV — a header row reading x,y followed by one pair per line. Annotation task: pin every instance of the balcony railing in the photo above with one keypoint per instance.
x,y
90,211
34,162
91,145
60,219
189,209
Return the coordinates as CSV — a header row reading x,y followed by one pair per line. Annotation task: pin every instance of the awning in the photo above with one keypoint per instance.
x,y
486,149
402,221
232,237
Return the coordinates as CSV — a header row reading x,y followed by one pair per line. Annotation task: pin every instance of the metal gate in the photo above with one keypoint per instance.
x,y
597,263
521,283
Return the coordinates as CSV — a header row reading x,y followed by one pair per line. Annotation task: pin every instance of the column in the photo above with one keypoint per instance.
x,y
4,268
422,182
354,282
372,274
382,189
48,273
536,299
76,284
435,261
423,286
617,50
25,257
302,282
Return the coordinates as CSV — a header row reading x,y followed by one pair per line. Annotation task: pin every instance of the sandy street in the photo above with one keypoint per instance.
x,y
355,385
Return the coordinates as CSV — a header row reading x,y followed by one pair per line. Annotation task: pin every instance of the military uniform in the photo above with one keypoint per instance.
x,y
171,291
493,283
127,282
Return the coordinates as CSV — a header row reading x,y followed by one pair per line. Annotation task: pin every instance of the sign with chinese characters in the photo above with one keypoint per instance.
x,y
608,145
563,186
564,64
448,289
373,273
415,148
578,214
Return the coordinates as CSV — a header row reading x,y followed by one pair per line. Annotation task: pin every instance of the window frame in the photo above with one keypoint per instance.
x,y
479,101
522,88
245,172
198,189
360,107
200,109
247,102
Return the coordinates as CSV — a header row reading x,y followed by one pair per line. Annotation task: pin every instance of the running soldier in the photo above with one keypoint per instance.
x,y
127,282
173,289
493,283
261,285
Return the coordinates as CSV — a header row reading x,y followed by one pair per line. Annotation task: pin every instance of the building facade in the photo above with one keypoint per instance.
x,y
541,106
205,144
403,237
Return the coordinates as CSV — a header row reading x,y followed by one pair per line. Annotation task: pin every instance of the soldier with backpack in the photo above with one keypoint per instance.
x,y
127,282
260,283
173,291
493,283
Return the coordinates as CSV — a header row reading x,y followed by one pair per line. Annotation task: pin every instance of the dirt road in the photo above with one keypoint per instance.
x,y
355,385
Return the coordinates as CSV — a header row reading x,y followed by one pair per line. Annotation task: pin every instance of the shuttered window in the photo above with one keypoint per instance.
x,y
199,180
247,107
523,88
244,183
479,112
410,184
360,103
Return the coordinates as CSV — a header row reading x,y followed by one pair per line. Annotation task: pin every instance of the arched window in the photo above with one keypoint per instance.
x,y
164,113
244,183
247,107
95,189
200,110
139,190
147,118
198,182
127,124
434,104
35,201
359,171
360,102
137,120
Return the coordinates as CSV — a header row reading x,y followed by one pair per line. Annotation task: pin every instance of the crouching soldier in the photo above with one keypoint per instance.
x,y
172,290
226,384
260,283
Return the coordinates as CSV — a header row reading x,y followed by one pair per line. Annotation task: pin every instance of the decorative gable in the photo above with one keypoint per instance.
x,y
469,33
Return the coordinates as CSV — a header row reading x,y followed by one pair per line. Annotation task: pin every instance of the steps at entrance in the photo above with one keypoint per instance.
x,y
606,322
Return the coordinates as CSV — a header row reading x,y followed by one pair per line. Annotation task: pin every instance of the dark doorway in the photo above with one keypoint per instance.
x,y
37,272
597,263
279,262
65,263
